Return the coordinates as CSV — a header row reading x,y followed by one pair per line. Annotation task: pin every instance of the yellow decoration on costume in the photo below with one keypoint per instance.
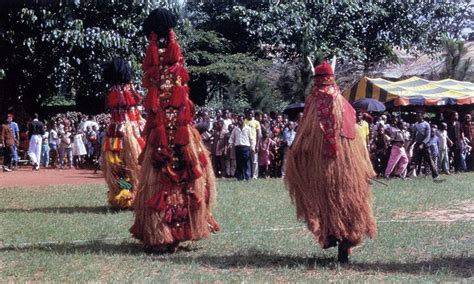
x,y
123,199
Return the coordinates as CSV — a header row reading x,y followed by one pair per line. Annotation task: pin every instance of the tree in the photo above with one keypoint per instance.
x,y
57,50
455,68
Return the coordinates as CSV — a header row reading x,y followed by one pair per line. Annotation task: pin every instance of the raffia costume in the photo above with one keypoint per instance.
x,y
328,169
177,183
123,142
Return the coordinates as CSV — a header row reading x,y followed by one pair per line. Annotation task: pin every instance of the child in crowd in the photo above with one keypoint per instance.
x,y
65,148
444,141
229,153
45,149
265,155
434,144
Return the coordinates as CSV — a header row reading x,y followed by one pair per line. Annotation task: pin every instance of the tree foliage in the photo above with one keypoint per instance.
x,y
240,52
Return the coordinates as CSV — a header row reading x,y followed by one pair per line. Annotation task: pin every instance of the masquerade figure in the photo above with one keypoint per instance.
x,y
123,142
328,169
177,183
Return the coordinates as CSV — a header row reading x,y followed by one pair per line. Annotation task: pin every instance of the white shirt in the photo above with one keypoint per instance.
x,y
443,139
242,137
53,137
227,122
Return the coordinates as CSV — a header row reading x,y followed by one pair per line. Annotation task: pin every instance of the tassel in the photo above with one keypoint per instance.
x,y
152,103
151,55
182,135
203,158
169,215
188,155
185,115
154,202
161,138
197,172
107,144
129,100
112,98
173,51
180,72
180,93
141,142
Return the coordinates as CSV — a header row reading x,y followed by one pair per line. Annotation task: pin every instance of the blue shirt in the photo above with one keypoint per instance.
x,y
15,129
289,136
422,132
434,145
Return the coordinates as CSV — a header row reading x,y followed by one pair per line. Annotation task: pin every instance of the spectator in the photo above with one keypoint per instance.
x,y
434,145
8,140
398,157
421,149
53,144
256,136
265,154
16,133
229,151
78,149
35,133
289,134
227,119
363,128
241,138
456,135
444,141
277,153
218,148
65,148
379,149
45,149
468,129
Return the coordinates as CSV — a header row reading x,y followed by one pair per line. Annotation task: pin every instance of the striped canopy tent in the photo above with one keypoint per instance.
x,y
413,92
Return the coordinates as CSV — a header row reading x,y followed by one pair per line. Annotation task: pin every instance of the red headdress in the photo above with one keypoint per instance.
x,y
326,90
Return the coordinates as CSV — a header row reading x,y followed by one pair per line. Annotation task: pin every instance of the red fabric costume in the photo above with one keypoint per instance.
x,y
328,169
178,185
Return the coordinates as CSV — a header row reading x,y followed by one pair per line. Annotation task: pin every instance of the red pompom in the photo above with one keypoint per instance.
x,y
141,142
151,55
180,94
173,51
179,71
112,98
152,102
197,172
185,115
157,202
182,135
161,138
129,99
203,159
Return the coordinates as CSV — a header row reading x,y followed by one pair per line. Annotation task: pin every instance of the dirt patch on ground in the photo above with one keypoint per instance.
x,y
461,211
25,177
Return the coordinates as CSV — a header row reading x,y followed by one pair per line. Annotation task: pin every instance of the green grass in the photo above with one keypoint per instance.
x,y
245,250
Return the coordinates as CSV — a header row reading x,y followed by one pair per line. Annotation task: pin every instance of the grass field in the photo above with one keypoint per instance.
x,y
67,234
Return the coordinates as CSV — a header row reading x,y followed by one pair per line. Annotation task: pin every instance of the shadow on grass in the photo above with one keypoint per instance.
x,y
65,210
459,266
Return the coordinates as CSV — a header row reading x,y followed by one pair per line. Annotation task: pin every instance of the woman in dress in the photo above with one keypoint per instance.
x,y
78,148
177,184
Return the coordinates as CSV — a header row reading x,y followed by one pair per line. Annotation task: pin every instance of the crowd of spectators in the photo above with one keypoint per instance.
x,y
254,145
67,140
